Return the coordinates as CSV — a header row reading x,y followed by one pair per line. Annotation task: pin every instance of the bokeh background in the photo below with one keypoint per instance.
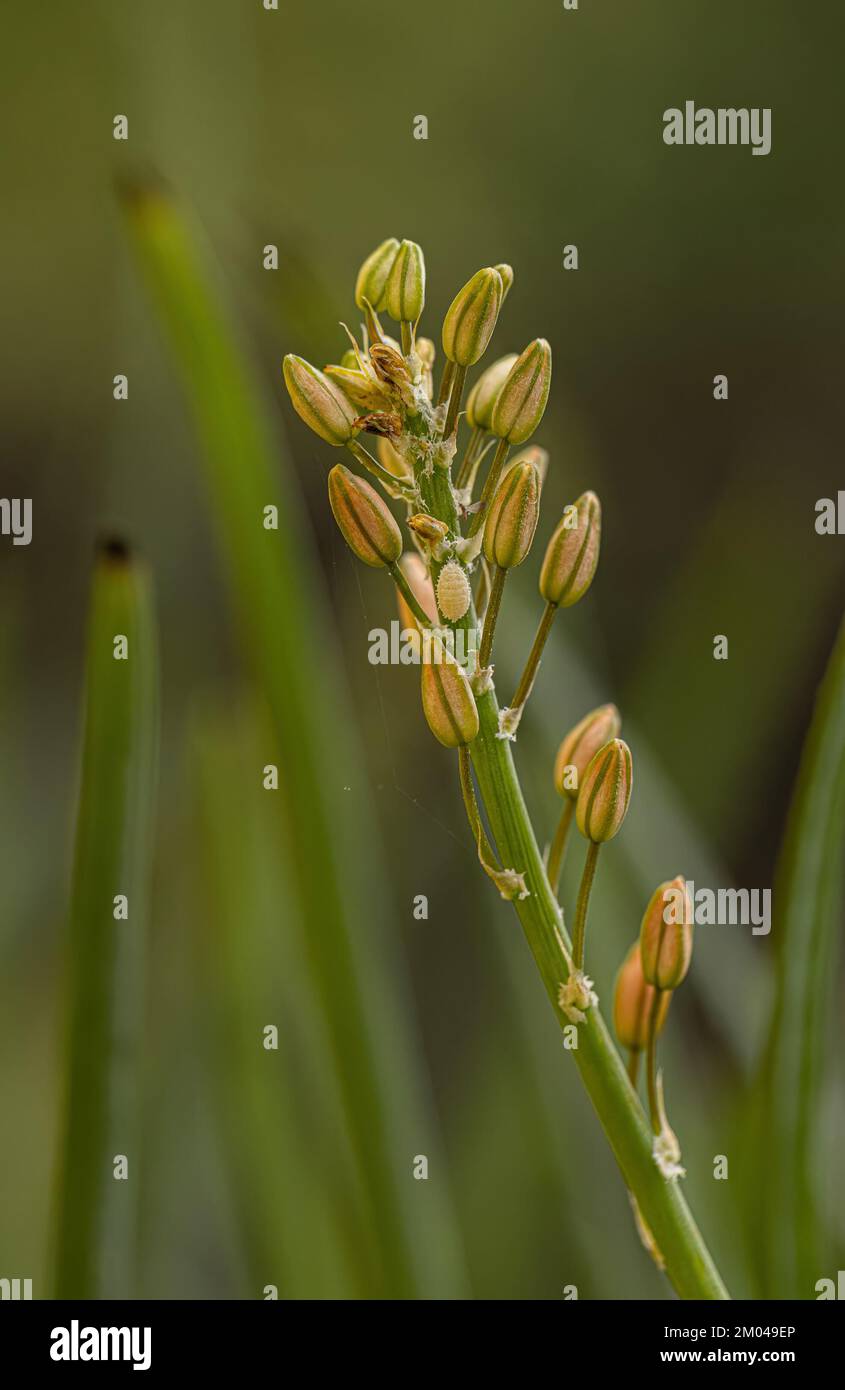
x,y
295,128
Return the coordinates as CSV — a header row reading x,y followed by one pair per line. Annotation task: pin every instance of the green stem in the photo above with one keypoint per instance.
x,y
446,382
373,466
463,474
579,935
406,329
523,690
688,1262
651,1062
558,846
490,484
398,577
493,605
459,377
633,1067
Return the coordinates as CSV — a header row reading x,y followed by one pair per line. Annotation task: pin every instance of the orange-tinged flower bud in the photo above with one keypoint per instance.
x,y
633,1001
521,402
366,522
605,792
666,935
317,401
580,746
482,397
471,317
374,274
447,698
512,519
572,553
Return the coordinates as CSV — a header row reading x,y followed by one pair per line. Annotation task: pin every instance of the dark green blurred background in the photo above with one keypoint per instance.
x,y
295,128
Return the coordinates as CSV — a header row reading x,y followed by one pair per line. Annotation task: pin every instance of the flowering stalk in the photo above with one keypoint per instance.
x,y
461,706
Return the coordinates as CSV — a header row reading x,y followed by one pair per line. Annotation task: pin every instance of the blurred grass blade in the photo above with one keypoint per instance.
x,y
360,980
95,1235
272,1103
806,925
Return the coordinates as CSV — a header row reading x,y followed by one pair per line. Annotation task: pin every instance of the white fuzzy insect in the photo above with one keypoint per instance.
x,y
453,591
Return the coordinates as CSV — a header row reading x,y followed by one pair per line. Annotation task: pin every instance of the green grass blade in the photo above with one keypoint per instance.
x,y
359,979
95,1234
806,924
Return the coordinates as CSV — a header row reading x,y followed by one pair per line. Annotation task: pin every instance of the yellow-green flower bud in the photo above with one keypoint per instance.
x,y
605,792
349,360
447,698
482,397
471,317
506,272
404,296
633,1001
317,401
374,274
512,519
580,746
390,458
521,402
364,393
666,935
367,524
572,553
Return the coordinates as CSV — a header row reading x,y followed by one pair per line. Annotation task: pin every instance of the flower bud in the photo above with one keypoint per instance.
x,y
454,595
522,400
390,458
633,1001
404,296
512,519
532,454
666,935
471,317
506,272
572,553
580,746
374,273
426,352
417,575
482,397
605,792
367,524
318,402
428,528
360,389
447,698
349,360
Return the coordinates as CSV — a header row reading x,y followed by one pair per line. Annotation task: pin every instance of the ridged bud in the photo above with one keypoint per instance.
x,y
506,272
521,402
580,746
364,393
605,792
454,595
633,1000
513,516
317,401
374,274
391,459
482,397
404,296
447,699
666,935
572,553
471,317
367,524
